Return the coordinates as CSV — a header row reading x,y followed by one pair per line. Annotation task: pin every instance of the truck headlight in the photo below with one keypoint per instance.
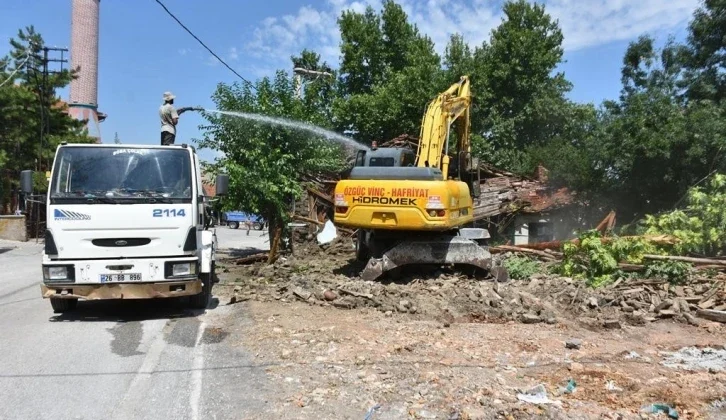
x,y
56,273
184,269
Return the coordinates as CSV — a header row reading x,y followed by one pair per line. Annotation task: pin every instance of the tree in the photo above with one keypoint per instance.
x,y
654,144
705,54
361,49
388,73
265,161
29,108
523,102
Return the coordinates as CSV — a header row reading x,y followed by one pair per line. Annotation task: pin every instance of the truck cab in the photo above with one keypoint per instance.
x,y
127,222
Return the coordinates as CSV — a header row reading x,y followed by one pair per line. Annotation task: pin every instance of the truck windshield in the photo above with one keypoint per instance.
x,y
121,175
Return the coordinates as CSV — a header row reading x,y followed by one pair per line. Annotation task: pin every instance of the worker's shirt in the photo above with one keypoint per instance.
x,y
167,112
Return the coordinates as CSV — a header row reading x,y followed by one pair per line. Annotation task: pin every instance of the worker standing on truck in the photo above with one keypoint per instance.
x,y
170,118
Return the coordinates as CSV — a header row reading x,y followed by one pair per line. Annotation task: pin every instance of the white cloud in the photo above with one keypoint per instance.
x,y
233,54
584,23
183,51
604,21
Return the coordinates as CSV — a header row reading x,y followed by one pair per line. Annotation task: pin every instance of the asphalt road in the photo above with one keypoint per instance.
x,y
119,360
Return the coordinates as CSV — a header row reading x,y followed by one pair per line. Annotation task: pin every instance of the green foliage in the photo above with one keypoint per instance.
x,y
521,268
701,226
21,102
676,272
667,131
264,161
596,260
524,99
705,53
388,73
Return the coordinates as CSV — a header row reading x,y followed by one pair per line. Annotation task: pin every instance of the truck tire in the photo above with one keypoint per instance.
x,y
201,300
257,226
233,225
63,305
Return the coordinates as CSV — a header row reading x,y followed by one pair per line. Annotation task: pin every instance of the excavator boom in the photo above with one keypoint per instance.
x,y
448,107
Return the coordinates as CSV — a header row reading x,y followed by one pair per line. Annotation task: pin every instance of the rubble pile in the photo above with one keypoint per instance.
x,y
328,277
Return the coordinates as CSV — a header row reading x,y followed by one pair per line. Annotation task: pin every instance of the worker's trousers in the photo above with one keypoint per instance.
x,y
167,138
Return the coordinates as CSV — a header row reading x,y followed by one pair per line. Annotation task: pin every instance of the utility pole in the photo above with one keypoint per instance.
x,y
44,97
301,73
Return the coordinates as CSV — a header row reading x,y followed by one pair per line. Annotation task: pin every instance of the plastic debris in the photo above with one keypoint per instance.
x,y
536,395
369,414
661,408
328,234
610,386
633,355
571,387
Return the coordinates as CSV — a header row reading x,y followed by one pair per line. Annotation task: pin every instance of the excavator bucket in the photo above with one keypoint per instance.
x,y
454,250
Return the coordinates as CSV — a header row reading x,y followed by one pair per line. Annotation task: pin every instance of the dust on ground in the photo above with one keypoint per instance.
x,y
452,347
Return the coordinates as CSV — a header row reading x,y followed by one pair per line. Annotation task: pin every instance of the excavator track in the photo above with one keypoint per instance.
x,y
444,250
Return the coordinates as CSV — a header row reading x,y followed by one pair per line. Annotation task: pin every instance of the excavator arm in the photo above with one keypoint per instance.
x,y
450,108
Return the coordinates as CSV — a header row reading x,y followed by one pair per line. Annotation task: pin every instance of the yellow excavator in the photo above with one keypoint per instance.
x,y
414,209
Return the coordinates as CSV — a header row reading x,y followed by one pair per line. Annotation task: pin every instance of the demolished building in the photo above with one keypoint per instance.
x,y
516,208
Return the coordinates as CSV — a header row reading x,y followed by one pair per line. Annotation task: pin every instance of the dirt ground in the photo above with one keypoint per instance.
x,y
450,347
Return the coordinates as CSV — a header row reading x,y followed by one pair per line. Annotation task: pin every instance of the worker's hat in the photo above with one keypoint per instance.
x,y
168,96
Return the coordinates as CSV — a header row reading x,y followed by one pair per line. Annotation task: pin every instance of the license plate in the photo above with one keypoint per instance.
x,y
120,277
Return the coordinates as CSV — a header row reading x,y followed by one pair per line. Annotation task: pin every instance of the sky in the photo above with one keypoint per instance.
x,y
143,52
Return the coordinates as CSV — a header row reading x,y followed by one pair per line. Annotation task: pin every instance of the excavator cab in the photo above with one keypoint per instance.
x,y
389,156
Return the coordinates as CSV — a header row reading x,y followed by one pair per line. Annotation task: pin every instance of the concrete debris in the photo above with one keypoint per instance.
x,y
693,358
329,275
573,343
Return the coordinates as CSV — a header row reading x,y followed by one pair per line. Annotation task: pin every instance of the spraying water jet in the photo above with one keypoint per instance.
x,y
296,125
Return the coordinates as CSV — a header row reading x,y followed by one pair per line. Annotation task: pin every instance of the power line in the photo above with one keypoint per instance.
x,y
27,56
203,44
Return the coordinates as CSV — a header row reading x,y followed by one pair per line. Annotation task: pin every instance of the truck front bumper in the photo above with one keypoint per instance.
x,y
122,290
93,279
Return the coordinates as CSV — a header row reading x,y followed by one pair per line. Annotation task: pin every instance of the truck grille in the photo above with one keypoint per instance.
x,y
121,242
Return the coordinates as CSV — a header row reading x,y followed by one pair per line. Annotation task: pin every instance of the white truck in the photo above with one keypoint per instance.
x,y
127,222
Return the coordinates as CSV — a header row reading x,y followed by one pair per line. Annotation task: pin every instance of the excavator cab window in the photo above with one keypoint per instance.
x,y
360,158
382,161
408,158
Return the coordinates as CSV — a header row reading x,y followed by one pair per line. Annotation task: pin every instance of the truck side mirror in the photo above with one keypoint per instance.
x,y
222,184
26,181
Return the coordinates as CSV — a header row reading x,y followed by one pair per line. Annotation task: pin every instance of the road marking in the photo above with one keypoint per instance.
x,y
197,373
125,408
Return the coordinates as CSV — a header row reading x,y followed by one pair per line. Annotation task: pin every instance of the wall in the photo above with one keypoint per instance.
x,y
560,223
12,228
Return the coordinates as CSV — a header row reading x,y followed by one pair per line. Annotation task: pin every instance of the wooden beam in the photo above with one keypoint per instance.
x,y
321,195
712,315
709,261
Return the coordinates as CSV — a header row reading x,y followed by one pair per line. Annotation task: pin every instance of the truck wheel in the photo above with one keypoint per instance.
x,y
233,225
63,305
201,300
257,226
